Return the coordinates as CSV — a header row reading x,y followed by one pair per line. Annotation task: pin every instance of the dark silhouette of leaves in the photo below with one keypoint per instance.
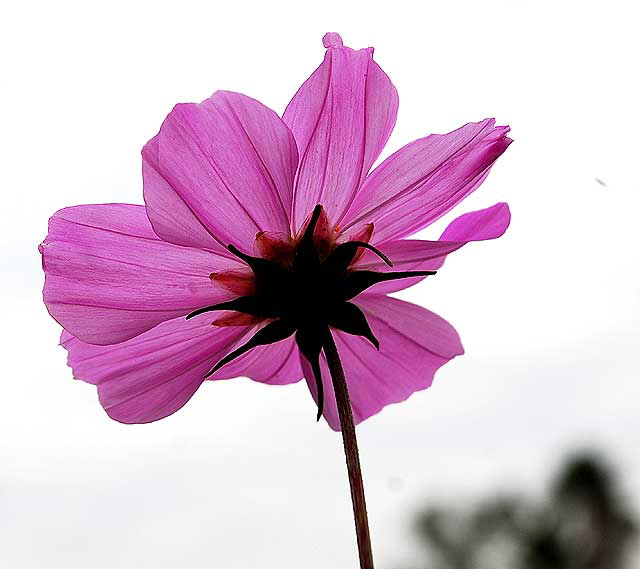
x,y
584,524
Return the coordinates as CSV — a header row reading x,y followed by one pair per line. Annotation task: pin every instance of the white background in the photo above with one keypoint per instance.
x,y
243,477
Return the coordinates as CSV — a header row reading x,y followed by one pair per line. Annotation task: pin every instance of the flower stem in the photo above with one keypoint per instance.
x,y
351,452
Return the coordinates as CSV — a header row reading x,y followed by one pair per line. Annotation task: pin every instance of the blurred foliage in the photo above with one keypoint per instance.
x,y
582,524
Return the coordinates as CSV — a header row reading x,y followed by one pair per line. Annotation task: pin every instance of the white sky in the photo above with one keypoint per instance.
x,y
243,477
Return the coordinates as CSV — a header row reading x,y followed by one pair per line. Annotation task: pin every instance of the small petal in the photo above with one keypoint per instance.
x,y
271,333
218,172
275,247
341,118
481,225
324,235
425,179
419,255
363,234
236,319
275,364
414,343
108,277
240,282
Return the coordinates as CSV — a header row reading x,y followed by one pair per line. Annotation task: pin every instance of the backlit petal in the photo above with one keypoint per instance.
x,y
425,179
275,364
153,375
414,343
419,255
341,118
108,277
219,172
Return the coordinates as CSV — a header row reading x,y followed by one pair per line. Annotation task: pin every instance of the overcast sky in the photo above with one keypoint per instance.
x,y
243,477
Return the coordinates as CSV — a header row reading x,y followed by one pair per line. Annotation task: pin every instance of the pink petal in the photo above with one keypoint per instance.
x,y
425,179
153,375
275,364
219,172
481,225
418,255
341,118
108,277
414,343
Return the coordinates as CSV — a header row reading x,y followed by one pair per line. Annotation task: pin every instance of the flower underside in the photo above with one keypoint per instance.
x,y
304,292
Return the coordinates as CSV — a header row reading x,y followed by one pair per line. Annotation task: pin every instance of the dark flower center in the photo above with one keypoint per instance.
x,y
306,295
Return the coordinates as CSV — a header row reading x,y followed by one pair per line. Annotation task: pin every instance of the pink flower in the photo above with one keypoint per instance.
x,y
121,278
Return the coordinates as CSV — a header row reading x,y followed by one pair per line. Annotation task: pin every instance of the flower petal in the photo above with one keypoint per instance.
x,y
153,375
108,277
419,255
341,117
480,225
219,172
274,364
414,343
425,179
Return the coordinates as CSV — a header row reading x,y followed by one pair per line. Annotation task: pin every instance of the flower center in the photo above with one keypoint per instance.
x,y
305,292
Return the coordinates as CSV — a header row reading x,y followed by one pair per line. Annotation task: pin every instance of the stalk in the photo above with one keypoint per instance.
x,y
351,452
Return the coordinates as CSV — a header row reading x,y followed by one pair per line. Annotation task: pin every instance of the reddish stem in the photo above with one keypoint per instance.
x,y
351,452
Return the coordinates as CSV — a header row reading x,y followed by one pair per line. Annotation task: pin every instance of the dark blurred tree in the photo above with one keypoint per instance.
x,y
584,524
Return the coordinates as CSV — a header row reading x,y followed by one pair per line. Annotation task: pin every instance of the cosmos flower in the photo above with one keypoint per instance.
x,y
260,233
